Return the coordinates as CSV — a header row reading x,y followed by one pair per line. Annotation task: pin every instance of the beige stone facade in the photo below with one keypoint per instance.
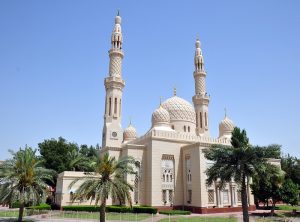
x,y
172,163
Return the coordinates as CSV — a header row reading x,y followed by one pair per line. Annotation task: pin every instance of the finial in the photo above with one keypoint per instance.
x,y
160,99
130,121
225,112
198,43
174,91
118,13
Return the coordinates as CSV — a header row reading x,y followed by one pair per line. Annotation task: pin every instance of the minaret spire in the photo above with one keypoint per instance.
x,y
114,84
200,99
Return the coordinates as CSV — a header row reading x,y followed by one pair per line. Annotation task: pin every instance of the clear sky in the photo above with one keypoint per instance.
x,y
53,59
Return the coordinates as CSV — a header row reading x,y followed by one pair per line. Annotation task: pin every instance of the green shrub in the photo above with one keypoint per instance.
x,y
113,208
42,206
89,208
175,212
144,209
118,209
15,205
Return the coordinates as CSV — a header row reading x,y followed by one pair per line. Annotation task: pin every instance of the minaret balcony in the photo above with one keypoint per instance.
x,y
116,51
114,82
200,73
201,99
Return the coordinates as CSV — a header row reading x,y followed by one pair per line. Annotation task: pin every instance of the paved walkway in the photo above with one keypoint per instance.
x,y
155,218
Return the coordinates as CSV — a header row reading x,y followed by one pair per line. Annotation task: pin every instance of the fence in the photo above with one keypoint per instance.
x,y
74,216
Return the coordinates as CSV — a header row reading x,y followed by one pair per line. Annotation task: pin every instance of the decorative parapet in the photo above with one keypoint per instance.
x,y
110,148
179,136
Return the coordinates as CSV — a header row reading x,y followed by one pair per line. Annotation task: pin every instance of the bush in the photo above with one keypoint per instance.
x,y
88,208
118,209
113,208
55,206
175,212
15,205
42,206
144,209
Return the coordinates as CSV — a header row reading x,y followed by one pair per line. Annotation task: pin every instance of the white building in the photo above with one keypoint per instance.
x,y
172,162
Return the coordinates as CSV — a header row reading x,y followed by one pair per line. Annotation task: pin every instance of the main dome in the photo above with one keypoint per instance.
x,y
179,109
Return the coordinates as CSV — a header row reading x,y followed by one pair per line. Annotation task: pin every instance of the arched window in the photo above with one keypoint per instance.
x,y
189,129
196,119
115,108
109,107
200,120
164,178
71,196
205,118
172,126
184,128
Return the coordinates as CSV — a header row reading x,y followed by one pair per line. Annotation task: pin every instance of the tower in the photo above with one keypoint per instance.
x,y
200,99
112,135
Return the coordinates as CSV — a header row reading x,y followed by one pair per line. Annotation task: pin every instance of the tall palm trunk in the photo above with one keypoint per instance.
x,y
21,211
244,200
102,211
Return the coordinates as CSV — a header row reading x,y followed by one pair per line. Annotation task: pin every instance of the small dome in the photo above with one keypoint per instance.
x,y
226,126
129,133
180,109
160,116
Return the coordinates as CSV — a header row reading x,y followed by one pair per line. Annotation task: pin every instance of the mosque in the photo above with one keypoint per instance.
x,y
172,165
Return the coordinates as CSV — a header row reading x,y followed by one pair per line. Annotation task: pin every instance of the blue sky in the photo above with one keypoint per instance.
x,y
53,59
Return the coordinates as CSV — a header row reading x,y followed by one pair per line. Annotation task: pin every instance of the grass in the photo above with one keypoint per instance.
x,y
109,216
83,215
199,219
287,207
175,212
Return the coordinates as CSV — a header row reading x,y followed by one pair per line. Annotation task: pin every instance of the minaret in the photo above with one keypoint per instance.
x,y
200,99
114,84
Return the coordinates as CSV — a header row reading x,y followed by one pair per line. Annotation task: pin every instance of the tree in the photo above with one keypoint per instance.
x,y
61,155
22,179
267,184
291,165
289,192
78,162
90,152
108,179
240,161
54,152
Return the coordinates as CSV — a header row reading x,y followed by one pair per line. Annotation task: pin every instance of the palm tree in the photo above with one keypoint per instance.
x,y
239,161
22,180
108,179
77,161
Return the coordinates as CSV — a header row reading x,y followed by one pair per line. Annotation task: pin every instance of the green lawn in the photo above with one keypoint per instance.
x,y
83,215
109,216
287,207
199,219
9,213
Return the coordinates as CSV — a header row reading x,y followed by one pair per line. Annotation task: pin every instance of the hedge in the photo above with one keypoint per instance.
x,y
118,209
42,206
175,212
88,208
142,209
114,208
